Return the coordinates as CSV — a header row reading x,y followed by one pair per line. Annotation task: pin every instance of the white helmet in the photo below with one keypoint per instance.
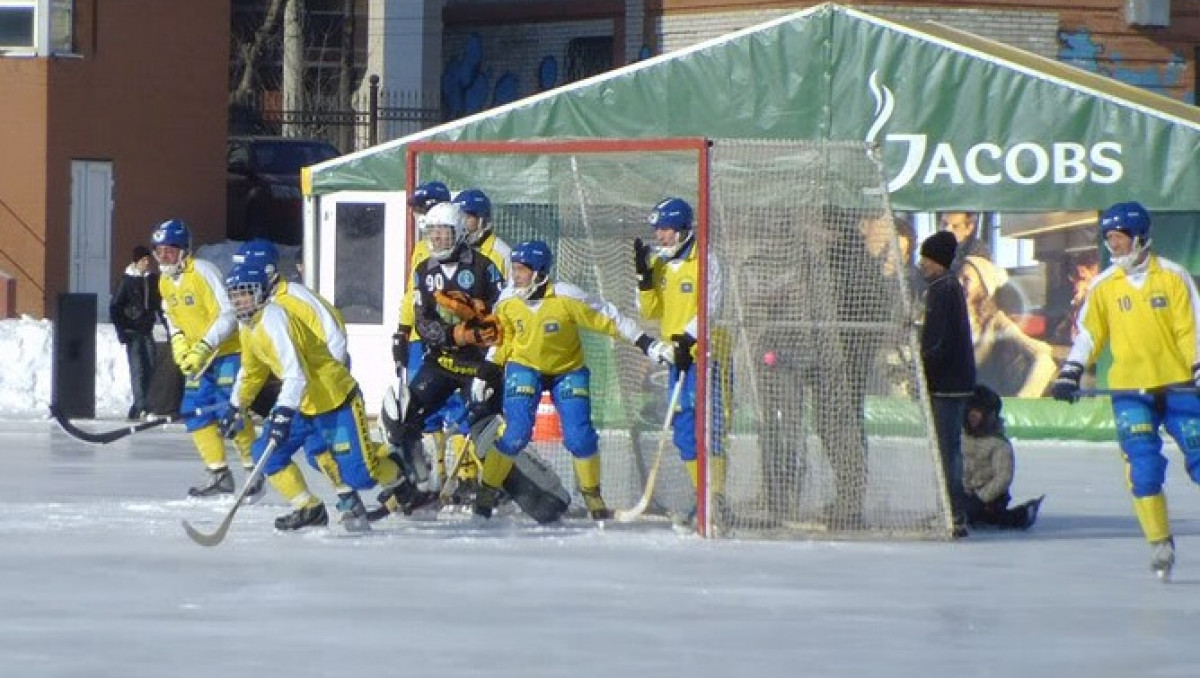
x,y
441,216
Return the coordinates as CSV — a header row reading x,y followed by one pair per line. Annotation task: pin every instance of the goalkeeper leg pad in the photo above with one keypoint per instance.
x,y
218,482
537,489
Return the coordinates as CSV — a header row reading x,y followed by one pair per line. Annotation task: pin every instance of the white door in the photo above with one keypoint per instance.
x,y
361,249
91,230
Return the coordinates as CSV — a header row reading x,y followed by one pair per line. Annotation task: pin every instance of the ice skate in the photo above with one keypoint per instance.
x,y
256,490
309,516
486,499
1162,558
219,481
353,512
596,507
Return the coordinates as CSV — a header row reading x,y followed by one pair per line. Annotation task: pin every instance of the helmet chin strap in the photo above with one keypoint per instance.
x,y
533,290
671,251
1138,255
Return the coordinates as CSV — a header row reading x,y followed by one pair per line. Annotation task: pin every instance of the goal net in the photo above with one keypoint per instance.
x,y
811,410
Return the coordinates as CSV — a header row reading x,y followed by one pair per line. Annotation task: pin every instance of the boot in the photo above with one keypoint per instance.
x,y
486,499
403,497
1162,557
309,516
595,503
1031,512
220,481
354,513
256,490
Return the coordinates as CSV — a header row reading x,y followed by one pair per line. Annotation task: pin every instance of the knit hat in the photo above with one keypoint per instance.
x,y
992,276
140,251
940,247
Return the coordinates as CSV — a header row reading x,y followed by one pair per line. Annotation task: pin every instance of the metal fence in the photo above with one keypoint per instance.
x,y
373,117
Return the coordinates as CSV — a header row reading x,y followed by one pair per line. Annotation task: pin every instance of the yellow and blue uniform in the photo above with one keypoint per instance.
x,y
330,417
197,306
674,300
326,322
1149,319
543,351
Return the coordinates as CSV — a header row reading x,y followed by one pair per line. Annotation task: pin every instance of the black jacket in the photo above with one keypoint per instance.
x,y
137,305
946,348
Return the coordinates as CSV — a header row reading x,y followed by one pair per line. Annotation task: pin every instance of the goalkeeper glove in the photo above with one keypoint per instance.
x,y
179,347
1066,386
641,264
196,359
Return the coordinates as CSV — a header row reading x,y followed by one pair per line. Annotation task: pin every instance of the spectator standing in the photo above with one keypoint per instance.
x,y
949,358
134,310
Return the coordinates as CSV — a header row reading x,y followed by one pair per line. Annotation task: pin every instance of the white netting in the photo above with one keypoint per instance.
x,y
796,285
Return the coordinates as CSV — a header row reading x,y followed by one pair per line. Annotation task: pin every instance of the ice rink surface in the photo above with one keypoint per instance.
x,y
98,580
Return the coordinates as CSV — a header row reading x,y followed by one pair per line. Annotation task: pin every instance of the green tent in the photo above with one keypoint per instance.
x,y
963,121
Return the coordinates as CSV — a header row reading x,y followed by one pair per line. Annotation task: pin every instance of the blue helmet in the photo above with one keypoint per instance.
x,y
173,233
1128,217
673,213
535,254
249,277
261,252
429,194
475,203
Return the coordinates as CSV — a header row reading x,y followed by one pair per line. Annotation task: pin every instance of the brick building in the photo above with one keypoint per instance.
x,y
496,51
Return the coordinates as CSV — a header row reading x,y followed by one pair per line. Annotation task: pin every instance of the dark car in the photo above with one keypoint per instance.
x,y
263,186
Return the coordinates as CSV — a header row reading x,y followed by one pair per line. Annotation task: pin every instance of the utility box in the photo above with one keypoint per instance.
x,y
1148,12
73,378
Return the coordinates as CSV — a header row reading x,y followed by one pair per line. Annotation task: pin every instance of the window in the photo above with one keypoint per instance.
x,y
17,26
39,27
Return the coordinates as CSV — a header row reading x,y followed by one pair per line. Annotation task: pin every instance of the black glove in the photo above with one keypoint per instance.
x,y
400,349
683,350
1196,375
231,421
1066,385
280,425
641,264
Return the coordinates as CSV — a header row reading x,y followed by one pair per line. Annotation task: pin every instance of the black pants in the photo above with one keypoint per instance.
x,y
140,351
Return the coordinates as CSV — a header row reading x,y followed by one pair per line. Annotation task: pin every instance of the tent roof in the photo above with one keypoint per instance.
x,y
963,121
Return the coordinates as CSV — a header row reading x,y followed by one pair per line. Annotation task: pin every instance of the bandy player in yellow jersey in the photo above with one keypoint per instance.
x,y
319,402
543,351
327,324
1146,310
669,291
204,343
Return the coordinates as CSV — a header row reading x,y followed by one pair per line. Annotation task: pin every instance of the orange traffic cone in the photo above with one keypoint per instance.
x,y
547,427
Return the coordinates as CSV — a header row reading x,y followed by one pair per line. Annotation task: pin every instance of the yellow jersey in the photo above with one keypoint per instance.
x,y
279,343
316,313
544,333
1148,318
196,304
675,298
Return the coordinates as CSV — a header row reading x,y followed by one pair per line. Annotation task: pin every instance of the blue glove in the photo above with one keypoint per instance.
x,y
279,425
1066,385
230,420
